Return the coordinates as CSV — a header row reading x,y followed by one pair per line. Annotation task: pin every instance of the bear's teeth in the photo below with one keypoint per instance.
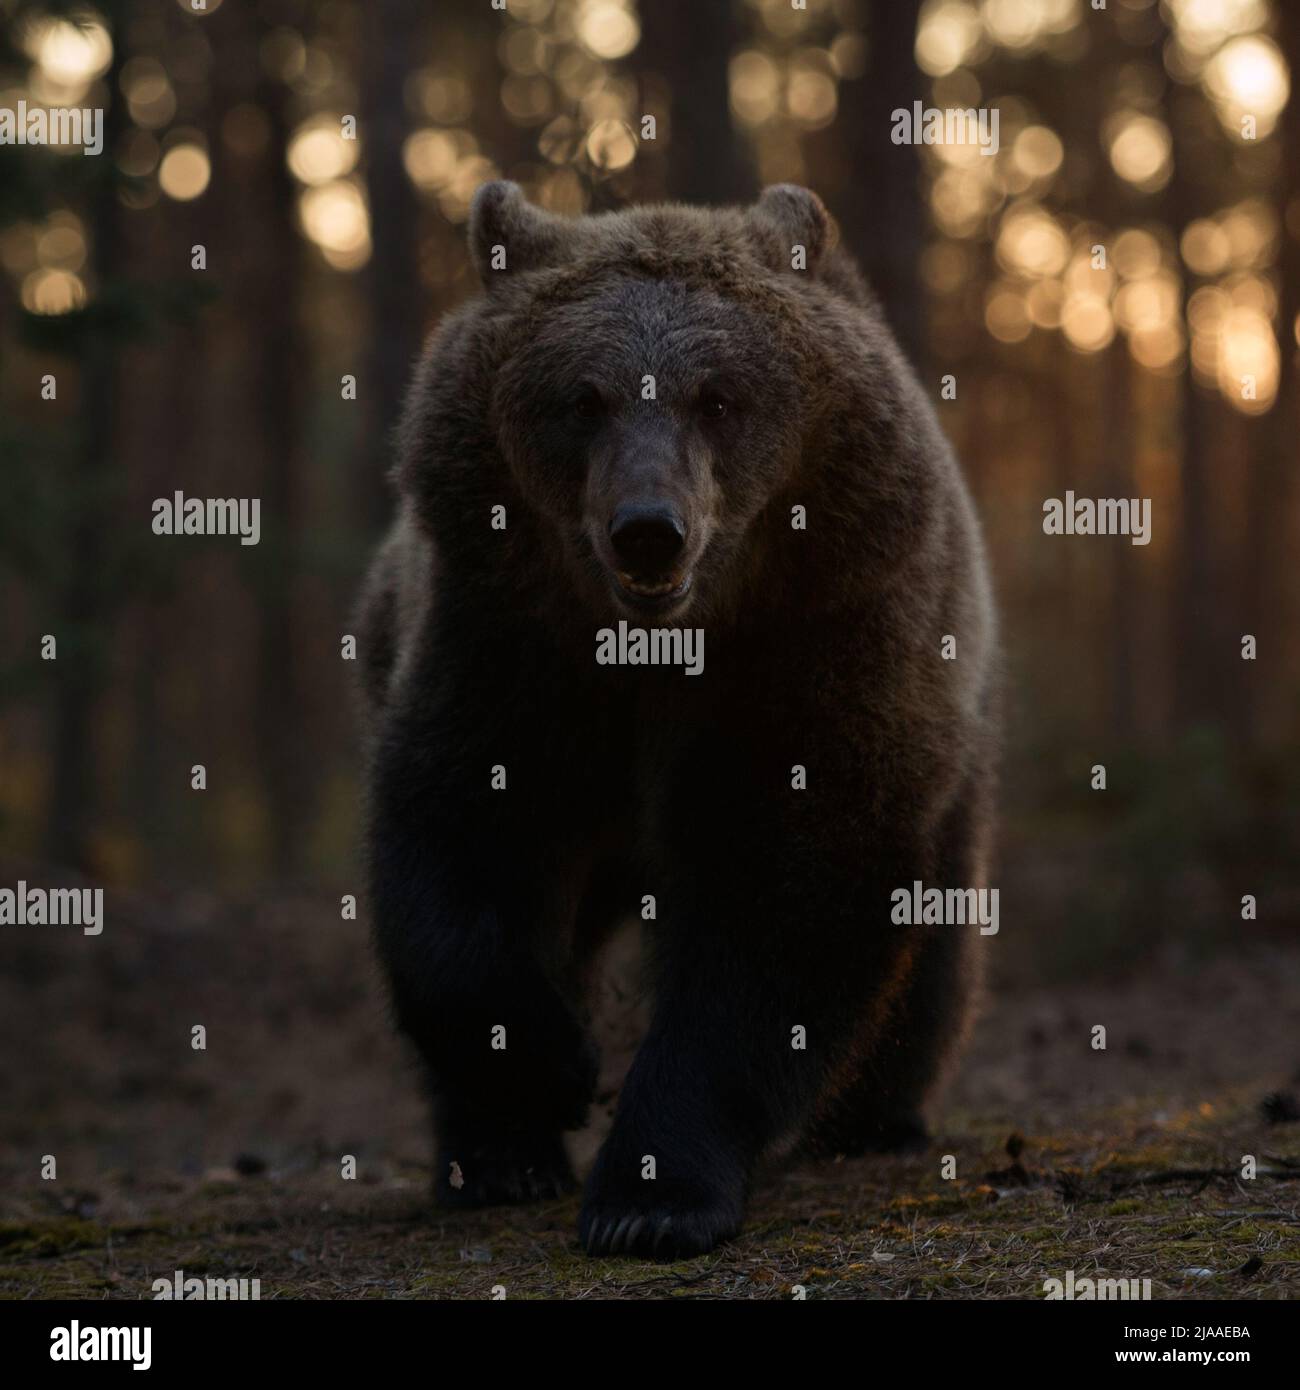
x,y
648,590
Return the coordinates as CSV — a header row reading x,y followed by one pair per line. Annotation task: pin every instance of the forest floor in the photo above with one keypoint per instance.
x,y
226,1162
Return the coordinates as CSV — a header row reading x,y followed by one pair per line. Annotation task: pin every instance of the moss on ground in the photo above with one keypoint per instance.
x,y
1120,1198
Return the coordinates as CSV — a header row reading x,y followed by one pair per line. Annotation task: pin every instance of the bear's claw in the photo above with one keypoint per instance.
x,y
656,1234
494,1176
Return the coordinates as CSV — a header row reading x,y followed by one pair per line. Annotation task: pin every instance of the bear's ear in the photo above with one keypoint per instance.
x,y
507,234
793,227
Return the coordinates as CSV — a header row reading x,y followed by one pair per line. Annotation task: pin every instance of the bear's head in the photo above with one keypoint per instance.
x,y
649,382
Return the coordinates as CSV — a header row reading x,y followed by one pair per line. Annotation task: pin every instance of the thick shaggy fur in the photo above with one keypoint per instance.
x,y
823,650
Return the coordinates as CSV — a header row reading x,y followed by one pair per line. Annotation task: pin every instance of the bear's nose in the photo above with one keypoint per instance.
x,y
647,538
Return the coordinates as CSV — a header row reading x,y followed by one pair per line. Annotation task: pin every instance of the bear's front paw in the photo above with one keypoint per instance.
x,y
658,1231
498,1171
659,1221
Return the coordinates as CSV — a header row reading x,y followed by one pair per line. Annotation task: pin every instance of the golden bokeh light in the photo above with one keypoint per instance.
x,y
562,191
1205,247
525,51
148,91
607,28
52,291
1083,276
430,158
961,200
1248,76
184,171
1252,229
754,81
1012,23
61,244
1149,304
454,199
1248,360
1087,323
611,145
527,100
67,53
440,96
531,11
561,140
1005,314
1037,152
318,153
1254,292
949,35
848,55
782,19
1141,151
1136,253
810,98
1158,348
1044,302
1202,25
1207,306
334,216
1031,242
608,99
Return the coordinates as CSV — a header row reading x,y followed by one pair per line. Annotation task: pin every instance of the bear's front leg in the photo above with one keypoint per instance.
x,y
463,903
760,992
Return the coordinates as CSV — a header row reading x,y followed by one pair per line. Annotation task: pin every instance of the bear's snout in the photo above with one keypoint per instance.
x,y
647,554
648,538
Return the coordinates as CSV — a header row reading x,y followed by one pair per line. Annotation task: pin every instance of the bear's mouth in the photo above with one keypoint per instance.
x,y
651,595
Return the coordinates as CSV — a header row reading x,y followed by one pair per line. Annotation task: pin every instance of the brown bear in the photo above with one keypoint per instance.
x,y
685,615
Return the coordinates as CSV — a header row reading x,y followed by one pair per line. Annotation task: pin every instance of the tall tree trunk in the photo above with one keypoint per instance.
x,y
1198,624
85,602
1119,430
278,396
690,45
1272,611
392,279
881,210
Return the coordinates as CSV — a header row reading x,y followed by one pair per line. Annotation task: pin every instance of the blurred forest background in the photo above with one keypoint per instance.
x,y
1167,130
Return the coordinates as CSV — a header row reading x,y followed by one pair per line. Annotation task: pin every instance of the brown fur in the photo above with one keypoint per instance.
x,y
822,649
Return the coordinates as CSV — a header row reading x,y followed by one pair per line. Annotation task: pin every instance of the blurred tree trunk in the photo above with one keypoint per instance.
x,y
260,271
1198,621
1271,591
392,282
690,45
880,206
1120,427
278,385
86,603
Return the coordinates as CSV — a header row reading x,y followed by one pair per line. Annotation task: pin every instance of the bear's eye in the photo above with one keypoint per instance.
x,y
712,406
587,404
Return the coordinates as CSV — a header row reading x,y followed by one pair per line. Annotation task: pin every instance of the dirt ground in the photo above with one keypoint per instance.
x,y
228,1161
